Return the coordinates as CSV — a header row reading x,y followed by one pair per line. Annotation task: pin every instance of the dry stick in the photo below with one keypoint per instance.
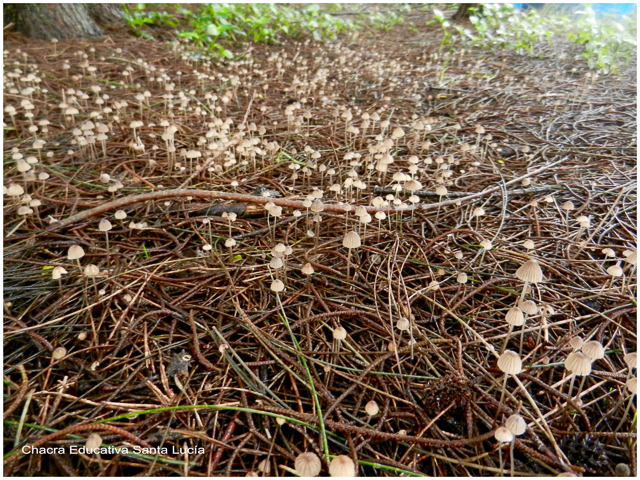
x,y
160,195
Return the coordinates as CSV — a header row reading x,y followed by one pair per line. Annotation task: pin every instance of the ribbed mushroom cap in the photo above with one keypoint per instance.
x,y
530,272
631,359
632,258
516,424
632,385
503,435
576,343
308,464
317,206
608,252
593,349
91,270
75,252
514,317
529,307
276,263
441,191
307,269
403,324
371,408
104,225
614,271
351,240
277,286
342,466
510,363
578,364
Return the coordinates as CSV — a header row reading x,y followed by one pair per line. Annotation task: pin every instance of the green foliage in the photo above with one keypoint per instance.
x,y
139,17
215,27
604,42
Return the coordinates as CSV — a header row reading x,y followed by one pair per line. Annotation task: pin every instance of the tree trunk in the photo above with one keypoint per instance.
x,y
62,21
464,12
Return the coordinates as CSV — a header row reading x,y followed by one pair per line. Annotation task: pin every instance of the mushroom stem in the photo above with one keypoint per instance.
x,y
504,386
500,456
524,289
506,340
511,454
348,262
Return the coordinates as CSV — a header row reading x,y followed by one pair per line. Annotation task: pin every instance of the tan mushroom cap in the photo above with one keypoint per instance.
x,y
578,364
514,317
529,307
503,435
516,424
530,272
632,385
351,240
371,408
277,286
510,363
631,359
75,252
308,464
342,466
339,333
593,349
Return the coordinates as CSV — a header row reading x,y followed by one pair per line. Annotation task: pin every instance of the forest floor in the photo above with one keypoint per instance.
x,y
166,333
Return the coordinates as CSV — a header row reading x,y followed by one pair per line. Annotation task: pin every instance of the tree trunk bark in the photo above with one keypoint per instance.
x,y
464,11
62,21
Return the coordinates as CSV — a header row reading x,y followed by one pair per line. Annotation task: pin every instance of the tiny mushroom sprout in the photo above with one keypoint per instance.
x,y
529,272
76,252
503,435
105,226
510,364
580,366
517,426
351,241
515,318
339,333
631,359
308,464
342,466
371,408
93,442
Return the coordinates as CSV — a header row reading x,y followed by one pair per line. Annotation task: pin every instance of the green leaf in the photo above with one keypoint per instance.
x,y
213,30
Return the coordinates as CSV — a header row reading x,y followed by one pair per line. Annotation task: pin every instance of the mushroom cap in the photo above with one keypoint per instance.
x,y
91,270
230,242
104,225
516,424
486,244
120,215
576,343
307,269
351,240
614,271
578,364
308,464
632,258
631,359
342,466
503,435
276,263
412,185
371,408
277,286
441,191
530,272
514,317
462,277
529,245
93,441
339,333
529,307
75,252
632,385
403,324
593,349
510,363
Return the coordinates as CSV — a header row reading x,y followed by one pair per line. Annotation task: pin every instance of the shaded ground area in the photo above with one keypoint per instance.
x,y
176,337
